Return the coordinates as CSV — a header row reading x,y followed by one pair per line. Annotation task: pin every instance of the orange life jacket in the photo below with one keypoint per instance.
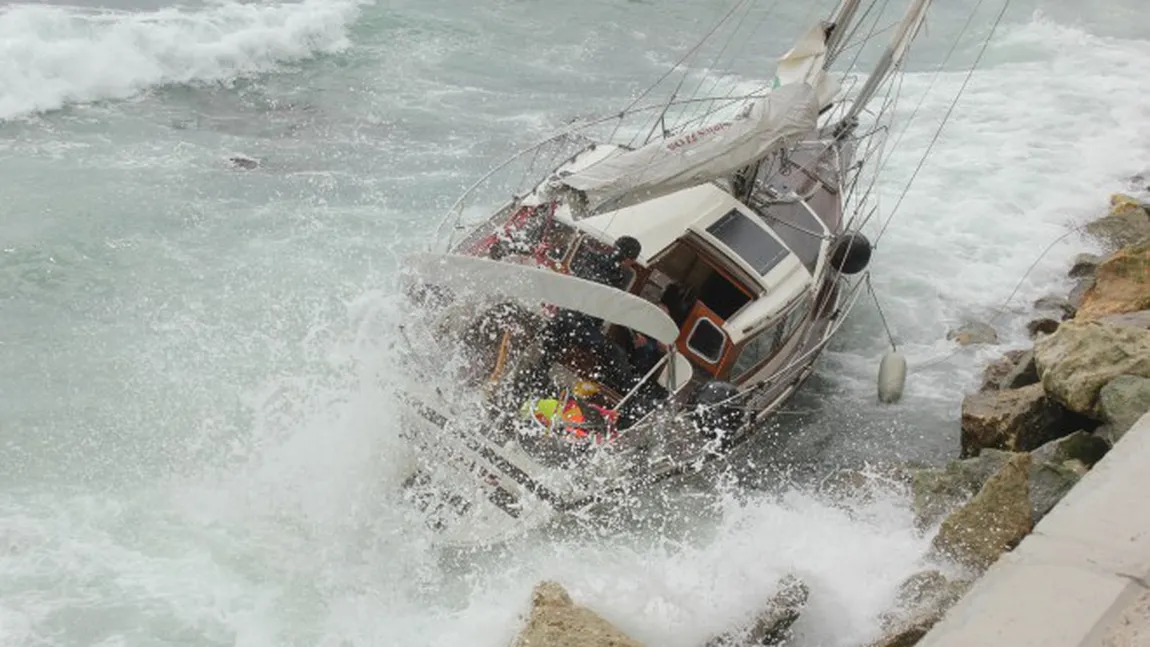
x,y
571,415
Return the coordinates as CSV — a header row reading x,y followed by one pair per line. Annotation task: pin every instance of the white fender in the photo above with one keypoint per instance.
x,y
891,377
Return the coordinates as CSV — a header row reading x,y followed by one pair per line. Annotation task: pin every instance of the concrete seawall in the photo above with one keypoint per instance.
x,y
1081,578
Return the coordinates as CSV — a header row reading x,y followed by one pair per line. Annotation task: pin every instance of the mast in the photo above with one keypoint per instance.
x,y
839,24
891,58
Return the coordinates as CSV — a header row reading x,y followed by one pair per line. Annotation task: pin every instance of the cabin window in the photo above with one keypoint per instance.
x,y
769,341
751,242
706,340
754,352
799,229
795,317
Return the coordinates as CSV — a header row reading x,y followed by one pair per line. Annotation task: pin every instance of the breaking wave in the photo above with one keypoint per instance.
x,y
51,56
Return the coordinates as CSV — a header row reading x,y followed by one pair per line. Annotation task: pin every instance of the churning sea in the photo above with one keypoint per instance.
x,y
197,445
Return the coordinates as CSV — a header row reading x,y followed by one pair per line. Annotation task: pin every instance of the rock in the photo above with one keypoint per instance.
x,y
995,373
1078,293
973,333
1078,360
246,163
1049,482
1121,284
1059,305
1041,327
1054,468
772,625
856,486
556,621
939,491
1127,223
1140,319
1058,465
1084,265
907,636
1122,401
1080,446
994,521
1023,374
1076,466
922,601
1013,419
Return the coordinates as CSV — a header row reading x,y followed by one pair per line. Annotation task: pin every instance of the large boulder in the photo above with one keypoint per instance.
x,y
922,600
1041,327
1013,370
1056,305
993,522
1054,468
939,491
772,625
1078,360
1057,466
1084,265
1122,402
1121,284
1078,292
1080,446
1140,319
1013,419
1127,223
556,621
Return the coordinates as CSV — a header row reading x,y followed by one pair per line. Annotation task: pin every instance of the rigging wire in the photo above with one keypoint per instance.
x,y
945,118
691,52
727,43
935,76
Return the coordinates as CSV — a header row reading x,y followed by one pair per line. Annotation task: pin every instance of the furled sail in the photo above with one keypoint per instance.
x,y
789,111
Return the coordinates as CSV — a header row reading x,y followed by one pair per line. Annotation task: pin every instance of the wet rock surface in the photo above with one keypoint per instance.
x,y
772,625
1078,360
1019,419
975,332
994,521
556,621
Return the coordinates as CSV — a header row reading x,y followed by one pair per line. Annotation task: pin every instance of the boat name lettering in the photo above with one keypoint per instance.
x,y
691,138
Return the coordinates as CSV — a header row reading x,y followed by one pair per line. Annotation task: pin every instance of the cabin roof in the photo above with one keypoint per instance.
x,y
727,225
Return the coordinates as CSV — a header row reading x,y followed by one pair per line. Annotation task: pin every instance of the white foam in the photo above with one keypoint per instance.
x,y
1011,173
53,56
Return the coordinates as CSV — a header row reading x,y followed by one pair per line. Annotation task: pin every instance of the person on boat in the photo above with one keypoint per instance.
x,y
503,252
571,334
646,352
608,269
676,303
579,420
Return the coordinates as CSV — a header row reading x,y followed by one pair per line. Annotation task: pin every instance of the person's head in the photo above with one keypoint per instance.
x,y
498,250
627,248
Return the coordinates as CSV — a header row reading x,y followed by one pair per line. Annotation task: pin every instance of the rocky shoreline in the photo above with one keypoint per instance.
x,y
1042,417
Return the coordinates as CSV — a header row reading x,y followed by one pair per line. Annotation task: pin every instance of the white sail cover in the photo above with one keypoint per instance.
x,y
668,165
532,286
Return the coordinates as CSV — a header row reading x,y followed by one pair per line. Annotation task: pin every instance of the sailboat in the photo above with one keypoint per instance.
x,y
639,311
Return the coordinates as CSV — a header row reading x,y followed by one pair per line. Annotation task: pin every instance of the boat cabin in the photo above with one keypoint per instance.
x,y
735,276
737,287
